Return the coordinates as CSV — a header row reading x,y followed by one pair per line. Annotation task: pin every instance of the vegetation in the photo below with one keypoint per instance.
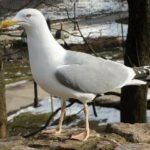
x,y
17,71
26,123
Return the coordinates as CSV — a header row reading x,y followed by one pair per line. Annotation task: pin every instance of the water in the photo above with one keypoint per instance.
x,y
105,115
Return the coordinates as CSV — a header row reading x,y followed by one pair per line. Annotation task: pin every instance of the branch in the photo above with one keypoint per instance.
x,y
68,32
113,93
73,21
86,42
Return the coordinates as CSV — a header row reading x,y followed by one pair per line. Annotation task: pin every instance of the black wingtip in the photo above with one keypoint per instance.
x,y
142,72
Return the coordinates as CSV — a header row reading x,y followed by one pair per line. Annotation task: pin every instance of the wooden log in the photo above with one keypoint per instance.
x,y
3,114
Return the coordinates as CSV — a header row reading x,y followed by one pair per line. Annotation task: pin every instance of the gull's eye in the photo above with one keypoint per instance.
x,y
28,15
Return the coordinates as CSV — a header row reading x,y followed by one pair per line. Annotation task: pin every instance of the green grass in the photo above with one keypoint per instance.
x,y
17,71
26,123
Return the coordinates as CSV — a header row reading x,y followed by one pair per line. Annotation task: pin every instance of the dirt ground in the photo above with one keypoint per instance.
x,y
22,95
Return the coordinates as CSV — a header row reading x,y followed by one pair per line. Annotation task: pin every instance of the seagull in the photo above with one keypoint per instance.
x,y
65,73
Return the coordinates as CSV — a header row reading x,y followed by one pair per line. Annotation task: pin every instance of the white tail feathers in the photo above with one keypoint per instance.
x,y
136,82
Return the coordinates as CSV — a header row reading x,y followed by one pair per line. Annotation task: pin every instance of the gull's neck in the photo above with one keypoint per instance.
x,y
43,46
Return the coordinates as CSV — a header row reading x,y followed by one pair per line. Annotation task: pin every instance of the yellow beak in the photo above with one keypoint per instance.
x,y
7,23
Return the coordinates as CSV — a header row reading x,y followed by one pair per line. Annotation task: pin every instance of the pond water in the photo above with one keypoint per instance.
x,y
105,115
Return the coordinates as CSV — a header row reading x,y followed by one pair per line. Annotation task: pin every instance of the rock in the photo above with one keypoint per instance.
x,y
133,147
23,148
6,144
105,137
95,142
137,133
64,142
106,145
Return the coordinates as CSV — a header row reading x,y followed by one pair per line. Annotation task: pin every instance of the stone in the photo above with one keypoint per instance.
x,y
10,142
97,141
23,148
136,133
133,147
109,137
64,142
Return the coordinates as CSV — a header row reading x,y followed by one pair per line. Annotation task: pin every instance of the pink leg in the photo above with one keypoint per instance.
x,y
58,130
63,110
84,135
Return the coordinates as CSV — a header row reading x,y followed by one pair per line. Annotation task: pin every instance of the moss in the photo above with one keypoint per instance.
x,y
17,71
67,120
26,123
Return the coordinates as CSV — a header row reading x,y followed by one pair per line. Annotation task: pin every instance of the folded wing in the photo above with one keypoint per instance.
x,y
98,77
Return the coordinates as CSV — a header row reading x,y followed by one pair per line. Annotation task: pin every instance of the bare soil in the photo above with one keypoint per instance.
x,y
22,95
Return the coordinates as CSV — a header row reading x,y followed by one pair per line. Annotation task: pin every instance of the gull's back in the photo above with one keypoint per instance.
x,y
90,74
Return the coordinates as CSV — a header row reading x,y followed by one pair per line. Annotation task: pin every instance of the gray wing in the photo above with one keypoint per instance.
x,y
99,77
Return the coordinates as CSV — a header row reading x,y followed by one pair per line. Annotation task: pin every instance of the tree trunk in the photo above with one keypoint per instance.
x,y
133,100
3,114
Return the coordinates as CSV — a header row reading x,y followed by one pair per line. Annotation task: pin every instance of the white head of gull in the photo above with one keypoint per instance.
x,y
65,73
